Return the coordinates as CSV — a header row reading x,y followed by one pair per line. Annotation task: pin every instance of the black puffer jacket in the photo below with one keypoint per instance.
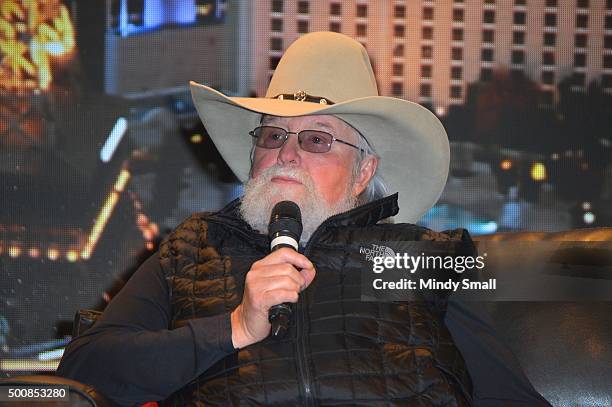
x,y
339,350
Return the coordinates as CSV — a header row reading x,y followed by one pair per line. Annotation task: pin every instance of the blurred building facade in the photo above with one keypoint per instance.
x,y
145,48
428,51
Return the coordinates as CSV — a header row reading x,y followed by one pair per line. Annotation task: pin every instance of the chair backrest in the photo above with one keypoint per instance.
x,y
83,320
565,348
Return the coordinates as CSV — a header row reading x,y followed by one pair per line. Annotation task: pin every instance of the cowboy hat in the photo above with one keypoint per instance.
x,y
330,73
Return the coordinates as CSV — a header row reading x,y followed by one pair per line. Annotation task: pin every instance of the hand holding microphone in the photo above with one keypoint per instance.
x,y
284,230
273,280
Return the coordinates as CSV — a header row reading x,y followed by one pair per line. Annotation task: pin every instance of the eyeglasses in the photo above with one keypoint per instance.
x,y
313,141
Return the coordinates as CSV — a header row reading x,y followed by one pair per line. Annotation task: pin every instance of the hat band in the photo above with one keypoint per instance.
x,y
302,96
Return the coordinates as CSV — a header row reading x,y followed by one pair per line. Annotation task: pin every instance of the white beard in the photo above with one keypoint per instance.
x,y
260,196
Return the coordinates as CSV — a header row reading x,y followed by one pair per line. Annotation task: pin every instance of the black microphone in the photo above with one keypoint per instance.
x,y
285,229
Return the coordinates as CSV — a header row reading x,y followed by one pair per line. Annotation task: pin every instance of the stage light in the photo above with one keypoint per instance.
x,y
142,220
538,171
32,42
53,254
589,218
148,229
113,140
105,213
196,138
34,252
85,254
72,256
122,180
14,251
147,234
204,10
586,206
505,165
103,216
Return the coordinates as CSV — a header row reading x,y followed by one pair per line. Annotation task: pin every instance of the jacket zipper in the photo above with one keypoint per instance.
x,y
303,369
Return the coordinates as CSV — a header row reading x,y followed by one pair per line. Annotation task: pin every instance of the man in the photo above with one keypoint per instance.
x,y
191,326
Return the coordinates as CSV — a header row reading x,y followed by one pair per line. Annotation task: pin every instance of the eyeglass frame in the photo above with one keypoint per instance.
x,y
297,133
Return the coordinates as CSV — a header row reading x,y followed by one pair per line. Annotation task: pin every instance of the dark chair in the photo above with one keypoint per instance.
x,y
79,394
564,348
83,320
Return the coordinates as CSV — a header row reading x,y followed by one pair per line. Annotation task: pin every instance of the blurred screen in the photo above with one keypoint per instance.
x,y
102,152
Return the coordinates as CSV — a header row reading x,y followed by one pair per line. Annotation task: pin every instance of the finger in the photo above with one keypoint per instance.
x,y
276,297
286,255
308,274
278,283
277,270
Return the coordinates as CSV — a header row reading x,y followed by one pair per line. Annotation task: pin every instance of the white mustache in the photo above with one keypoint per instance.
x,y
293,173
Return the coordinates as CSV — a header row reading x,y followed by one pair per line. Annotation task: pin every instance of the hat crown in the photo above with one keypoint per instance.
x,y
325,64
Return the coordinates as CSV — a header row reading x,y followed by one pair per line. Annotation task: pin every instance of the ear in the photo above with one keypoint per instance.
x,y
367,169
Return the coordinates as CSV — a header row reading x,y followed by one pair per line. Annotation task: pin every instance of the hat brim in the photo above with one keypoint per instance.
x,y
410,140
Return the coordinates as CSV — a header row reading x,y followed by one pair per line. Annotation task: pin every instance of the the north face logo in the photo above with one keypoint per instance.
x,y
375,251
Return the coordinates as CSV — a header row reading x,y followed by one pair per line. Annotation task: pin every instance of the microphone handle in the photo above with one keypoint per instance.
x,y
279,315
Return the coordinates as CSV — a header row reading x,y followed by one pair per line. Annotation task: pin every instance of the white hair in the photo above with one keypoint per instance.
x,y
376,188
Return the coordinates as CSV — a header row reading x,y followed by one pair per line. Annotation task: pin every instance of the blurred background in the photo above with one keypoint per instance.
x,y
102,152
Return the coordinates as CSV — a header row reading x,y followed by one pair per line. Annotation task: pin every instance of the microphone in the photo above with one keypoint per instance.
x,y
284,230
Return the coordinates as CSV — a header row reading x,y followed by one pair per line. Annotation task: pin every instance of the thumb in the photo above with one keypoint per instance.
x,y
309,275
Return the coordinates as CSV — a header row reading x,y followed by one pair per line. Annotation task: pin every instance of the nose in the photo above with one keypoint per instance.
x,y
289,151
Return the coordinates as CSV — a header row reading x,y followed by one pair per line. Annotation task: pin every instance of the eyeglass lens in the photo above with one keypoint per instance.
x,y
312,141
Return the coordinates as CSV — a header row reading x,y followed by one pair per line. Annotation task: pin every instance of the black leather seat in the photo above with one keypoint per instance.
x,y
564,348
79,394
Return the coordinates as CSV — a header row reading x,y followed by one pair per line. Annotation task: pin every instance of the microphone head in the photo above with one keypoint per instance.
x,y
286,209
285,220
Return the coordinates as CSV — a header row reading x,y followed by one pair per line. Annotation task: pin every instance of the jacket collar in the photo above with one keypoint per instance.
x,y
364,215
367,214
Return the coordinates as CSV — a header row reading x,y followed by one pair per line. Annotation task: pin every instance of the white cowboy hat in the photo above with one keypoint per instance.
x,y
330,73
